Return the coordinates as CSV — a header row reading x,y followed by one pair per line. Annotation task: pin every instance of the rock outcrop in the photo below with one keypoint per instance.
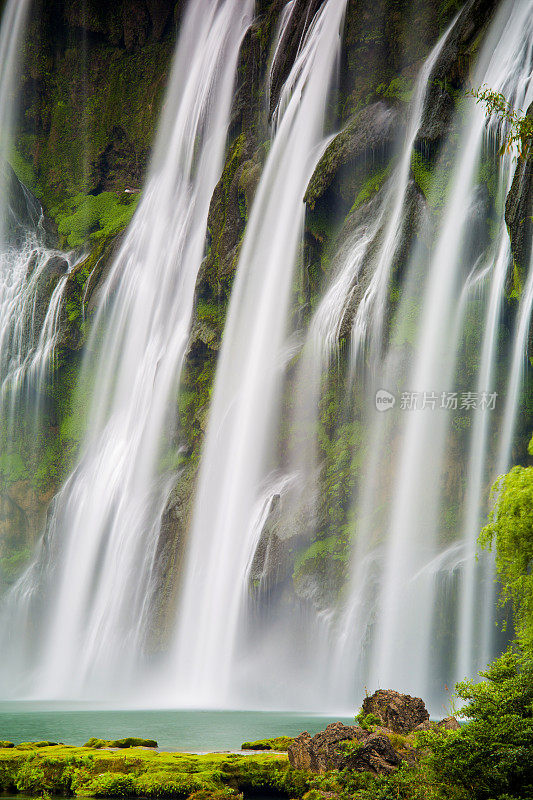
x,y
321,752
376,754
519,208
375,749
344,747
400,713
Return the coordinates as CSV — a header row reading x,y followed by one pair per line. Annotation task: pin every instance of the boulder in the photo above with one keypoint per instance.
x,y
344,747
321,752
400,713
449,724
375,754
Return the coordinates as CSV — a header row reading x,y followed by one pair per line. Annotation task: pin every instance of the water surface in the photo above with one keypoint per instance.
x,y
196,731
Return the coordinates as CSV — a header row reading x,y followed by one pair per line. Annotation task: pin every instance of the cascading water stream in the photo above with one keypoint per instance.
x,y
95,564
32,276
383,229
391,608
417,610
237,452
517,85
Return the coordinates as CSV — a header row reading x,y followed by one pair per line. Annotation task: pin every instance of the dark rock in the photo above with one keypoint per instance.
x,y
321,752
452,67
399,712
136,22
519,208
301,17
425,726
376,754
120,164
368,130
344,746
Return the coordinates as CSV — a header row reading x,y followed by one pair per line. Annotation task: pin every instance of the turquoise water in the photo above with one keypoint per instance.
x,y
195,731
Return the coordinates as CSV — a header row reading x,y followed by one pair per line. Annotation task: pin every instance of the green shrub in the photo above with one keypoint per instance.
x,y
367,721
492,756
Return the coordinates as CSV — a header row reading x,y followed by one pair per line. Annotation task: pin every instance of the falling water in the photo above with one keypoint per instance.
x,y
515,81
238,451
391,625
32,281
94,567
416,610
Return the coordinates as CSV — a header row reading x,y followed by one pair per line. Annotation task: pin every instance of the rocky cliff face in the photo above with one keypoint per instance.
x,y
90,98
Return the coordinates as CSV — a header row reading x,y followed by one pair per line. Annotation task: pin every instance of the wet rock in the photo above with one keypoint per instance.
x,y
22,210
301,17
452,67
368,130
519,208
400,713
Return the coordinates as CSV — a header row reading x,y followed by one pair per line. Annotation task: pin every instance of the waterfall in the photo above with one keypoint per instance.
x,y
400,366
32,282
90,584
414,597
238,451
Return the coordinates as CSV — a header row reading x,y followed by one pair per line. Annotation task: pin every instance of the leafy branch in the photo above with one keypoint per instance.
x,y
519,125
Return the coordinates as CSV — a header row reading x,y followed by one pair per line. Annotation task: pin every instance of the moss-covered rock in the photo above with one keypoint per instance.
x,y
121,744
368,131
278,743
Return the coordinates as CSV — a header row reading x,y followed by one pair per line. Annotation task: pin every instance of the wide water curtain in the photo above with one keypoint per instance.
x,y
94,569
258,424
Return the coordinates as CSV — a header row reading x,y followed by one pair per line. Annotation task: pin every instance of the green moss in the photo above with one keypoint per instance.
x,y
400,88
35,745
89,772
371,187
130,741
89,218
12,467
23,169
10,568
433,184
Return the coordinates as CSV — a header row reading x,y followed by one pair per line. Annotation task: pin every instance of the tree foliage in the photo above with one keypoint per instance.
x,y
509,533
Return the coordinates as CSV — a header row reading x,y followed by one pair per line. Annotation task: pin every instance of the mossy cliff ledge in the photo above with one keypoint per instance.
x,y
42,769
